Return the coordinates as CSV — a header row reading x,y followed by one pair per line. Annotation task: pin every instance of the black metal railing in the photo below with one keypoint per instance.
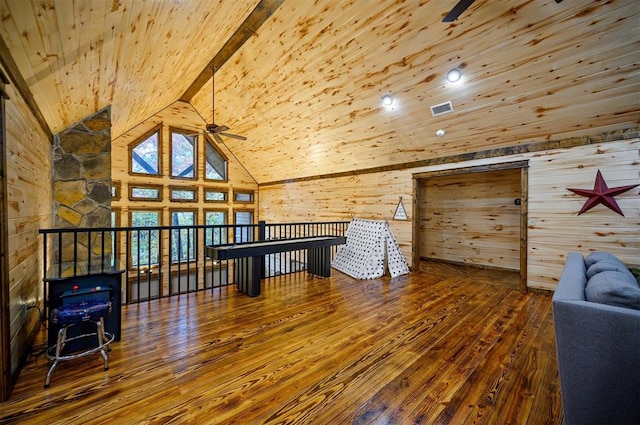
x,y
162,261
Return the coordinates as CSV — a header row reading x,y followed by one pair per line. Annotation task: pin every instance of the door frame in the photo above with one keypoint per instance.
x,y
523,166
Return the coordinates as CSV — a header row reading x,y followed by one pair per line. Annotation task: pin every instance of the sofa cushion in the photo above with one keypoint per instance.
x,y
614,288
594,257
607,265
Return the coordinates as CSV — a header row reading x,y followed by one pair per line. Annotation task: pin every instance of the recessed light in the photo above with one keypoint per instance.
x,y
454,75
440,133
387,100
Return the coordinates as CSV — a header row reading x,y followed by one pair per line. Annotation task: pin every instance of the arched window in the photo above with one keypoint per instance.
x,y
145,154
183,154
215,164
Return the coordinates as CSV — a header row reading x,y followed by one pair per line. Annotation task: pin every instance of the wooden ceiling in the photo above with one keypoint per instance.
x,y
306,88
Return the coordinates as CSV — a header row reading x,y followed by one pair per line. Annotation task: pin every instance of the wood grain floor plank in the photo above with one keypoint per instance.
x,y
433,358
457,360
447,344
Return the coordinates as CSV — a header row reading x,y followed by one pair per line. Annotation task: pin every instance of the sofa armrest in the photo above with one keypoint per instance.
x,y
598,353
573,279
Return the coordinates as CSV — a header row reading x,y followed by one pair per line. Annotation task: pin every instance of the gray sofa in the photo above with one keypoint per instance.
x,y
597,347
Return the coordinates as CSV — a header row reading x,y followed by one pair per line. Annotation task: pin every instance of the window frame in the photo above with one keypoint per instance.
x,y
141,139
225,191
253,221
148,266
209,142
225,212
118,216
116,213
191,259
186,189
157,187
116,190
251,194
184,132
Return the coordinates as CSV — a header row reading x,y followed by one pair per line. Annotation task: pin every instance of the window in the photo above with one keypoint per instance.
x,y
116,188
243,233
181,194
115,217
113,236
243,196
215,236
215,164
215,195
145,193
145,154
183,240
183,154
145,244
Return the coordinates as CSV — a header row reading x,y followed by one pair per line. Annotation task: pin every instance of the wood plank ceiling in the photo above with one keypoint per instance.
x,y
306,88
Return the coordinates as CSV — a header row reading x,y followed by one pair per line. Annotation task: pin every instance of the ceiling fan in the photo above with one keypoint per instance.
x,y
460,7
214,129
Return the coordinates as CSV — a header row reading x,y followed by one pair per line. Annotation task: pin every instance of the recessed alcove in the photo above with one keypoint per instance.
x,y
473,216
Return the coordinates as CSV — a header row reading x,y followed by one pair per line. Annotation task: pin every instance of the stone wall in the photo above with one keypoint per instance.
x,y
82,186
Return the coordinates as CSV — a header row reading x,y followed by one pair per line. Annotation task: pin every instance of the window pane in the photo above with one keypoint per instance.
x,y
145,192
183,240
243,233
114,223
144,157
215,196
183,194
115,190
215,236
145,244
183,155
244,196
216,165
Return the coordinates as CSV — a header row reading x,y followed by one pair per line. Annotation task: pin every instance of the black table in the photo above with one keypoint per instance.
x,y
250,257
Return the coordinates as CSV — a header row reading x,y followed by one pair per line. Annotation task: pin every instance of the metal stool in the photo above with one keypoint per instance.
x,y
75,314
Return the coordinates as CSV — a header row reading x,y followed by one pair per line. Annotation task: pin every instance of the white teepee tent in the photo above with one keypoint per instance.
x,y
370,249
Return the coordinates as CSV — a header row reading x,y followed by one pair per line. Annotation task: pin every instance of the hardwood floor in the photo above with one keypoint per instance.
x,y
446,345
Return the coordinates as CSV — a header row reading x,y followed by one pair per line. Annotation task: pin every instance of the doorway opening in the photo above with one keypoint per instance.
x,y
474,216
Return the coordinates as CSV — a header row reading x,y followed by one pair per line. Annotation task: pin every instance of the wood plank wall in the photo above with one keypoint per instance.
x,y
554,227
28,151
367,196
554,224
458,212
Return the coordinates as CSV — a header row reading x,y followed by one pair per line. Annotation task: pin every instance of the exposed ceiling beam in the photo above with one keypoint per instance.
x,y
249,27
457,10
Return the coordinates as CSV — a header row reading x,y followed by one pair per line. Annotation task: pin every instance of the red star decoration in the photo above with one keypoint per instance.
x,y
601,194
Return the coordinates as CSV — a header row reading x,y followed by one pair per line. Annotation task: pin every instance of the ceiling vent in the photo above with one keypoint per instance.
x,y
442,108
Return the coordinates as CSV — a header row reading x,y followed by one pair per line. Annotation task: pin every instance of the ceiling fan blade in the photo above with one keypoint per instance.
x,y
218,138
457,10
215,128
233,136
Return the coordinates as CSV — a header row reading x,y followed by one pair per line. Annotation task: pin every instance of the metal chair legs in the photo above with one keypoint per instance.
x,y
104,339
